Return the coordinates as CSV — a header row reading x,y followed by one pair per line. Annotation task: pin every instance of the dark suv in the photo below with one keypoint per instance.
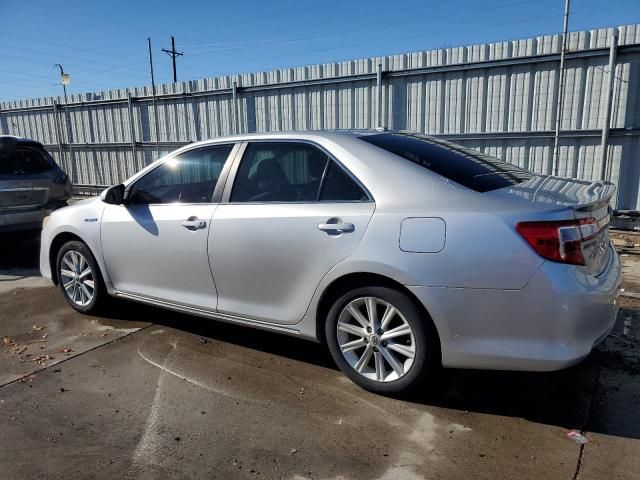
x,y
31,184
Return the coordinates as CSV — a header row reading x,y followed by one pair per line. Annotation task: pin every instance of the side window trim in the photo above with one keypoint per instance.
x,y
233,171
217,192
226,169
331,158
324,177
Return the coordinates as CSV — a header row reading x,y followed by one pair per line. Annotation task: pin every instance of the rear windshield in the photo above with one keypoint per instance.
x,y
465,166
23,161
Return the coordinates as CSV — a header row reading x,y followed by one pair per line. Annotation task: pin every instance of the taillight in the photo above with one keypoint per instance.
x,y
559,241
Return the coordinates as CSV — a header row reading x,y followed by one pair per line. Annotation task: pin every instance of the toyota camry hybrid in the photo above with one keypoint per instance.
x,y
404,253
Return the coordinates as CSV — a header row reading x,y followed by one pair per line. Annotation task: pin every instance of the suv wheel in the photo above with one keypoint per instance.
x,y
381,340
79,278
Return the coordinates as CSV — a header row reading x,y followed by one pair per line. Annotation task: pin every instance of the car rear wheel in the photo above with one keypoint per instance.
x,y
79,278
382,341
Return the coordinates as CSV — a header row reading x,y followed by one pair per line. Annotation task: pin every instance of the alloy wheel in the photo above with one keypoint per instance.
x,y
376,339
77,278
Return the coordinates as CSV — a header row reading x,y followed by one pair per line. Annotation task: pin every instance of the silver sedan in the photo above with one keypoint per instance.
x,y
402,252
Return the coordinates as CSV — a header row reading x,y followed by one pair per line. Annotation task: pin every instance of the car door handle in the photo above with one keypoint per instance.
x,y
341,227
193,223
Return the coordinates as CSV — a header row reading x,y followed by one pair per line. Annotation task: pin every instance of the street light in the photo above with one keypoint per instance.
x,y
65,80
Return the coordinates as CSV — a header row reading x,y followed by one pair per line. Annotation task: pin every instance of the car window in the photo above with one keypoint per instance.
x,y
292,172
23,161
338,186
465,166
279,172
187,178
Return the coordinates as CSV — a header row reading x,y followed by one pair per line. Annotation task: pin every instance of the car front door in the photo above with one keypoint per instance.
x,y
292,214
155,245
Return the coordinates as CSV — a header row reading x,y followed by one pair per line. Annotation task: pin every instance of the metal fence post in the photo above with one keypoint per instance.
x,y
379,94
555,163
69,134
607,118
132,130
234,107
56,123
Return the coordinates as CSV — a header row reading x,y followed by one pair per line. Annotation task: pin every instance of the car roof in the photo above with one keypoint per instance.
x,y
335,135
22,140
19,139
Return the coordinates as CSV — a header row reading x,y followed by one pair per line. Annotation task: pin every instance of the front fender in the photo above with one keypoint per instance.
x,y
81,220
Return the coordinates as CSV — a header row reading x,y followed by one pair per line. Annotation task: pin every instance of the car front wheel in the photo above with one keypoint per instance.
x,y
79,277
382,341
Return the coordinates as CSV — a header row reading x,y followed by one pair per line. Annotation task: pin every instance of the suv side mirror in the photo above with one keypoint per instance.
x,y
115,195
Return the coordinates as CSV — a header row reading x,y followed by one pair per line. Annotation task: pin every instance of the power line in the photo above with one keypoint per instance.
x,y
77,59
74,65
47,42
367,40
366,26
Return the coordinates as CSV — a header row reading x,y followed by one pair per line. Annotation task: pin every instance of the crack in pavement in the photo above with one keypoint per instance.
x,y
588,421
19,379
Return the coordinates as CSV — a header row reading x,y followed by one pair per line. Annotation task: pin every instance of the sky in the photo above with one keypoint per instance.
x,y
103,44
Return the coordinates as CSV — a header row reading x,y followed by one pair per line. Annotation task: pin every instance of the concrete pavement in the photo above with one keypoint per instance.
x,y
182,397
148,393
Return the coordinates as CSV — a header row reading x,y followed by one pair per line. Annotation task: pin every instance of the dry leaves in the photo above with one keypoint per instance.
x,y
40,359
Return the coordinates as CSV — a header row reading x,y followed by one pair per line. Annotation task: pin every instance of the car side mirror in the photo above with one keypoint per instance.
x,y
115,195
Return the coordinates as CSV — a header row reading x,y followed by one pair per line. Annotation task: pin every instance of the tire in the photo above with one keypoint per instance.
x,y
379,372
72,262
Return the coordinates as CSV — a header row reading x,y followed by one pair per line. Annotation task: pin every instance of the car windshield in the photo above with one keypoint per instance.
x,y
465,166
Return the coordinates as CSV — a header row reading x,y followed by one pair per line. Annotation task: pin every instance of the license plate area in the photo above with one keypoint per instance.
x,y
16,198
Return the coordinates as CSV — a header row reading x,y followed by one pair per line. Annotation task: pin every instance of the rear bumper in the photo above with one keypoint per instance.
x,y
30,219
551,323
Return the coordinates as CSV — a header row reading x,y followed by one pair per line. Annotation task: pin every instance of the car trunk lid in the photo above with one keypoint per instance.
x,y
588,203
25,174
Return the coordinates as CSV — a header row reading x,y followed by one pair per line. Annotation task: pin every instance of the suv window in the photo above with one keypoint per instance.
x,y
23,161
465,166
188,178
291,172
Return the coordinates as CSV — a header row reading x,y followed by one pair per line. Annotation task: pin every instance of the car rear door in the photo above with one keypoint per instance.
x,y
155,245
292,214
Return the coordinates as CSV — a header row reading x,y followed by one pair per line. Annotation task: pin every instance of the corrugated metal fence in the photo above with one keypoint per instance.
x,y
499,98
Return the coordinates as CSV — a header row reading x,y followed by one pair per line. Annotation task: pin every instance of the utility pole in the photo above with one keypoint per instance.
x,y
556,144
153,97
173,54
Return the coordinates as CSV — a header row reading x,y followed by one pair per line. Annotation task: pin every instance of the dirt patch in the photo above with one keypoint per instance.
x,y
621,349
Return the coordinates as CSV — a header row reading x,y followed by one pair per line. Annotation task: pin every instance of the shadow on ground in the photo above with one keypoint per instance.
x,y
569,399
562,398
20,250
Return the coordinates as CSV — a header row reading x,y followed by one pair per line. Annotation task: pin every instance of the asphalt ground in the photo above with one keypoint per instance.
x,y
147,393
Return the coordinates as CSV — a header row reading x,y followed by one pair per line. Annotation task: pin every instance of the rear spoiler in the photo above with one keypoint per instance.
x,y
597,195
